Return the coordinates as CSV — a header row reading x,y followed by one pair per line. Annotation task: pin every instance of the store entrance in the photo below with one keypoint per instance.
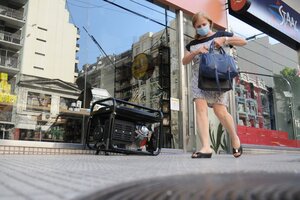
x,y
273,66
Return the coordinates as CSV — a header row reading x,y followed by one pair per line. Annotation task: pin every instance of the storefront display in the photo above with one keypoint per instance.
x,y
252,102
254,114
38,102
7,101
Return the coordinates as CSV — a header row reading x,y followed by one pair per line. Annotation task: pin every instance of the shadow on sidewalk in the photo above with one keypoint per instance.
x,y
207,186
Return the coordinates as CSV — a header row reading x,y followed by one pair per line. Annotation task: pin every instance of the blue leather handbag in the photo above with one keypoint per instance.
x,y
219,67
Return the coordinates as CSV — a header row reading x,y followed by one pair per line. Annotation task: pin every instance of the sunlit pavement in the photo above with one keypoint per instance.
x,y
166,176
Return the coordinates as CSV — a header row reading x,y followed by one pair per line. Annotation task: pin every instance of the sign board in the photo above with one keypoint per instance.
x,y
142,68
273,17
214,8
175,104
288,94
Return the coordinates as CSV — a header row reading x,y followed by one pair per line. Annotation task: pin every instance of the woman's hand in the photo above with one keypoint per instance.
x,y
188,57
234,41
202,49
220,41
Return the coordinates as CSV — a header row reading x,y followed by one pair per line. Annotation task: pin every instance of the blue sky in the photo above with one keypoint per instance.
x,y
116,29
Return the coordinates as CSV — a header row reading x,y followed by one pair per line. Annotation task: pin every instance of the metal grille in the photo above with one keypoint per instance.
x,y
123,131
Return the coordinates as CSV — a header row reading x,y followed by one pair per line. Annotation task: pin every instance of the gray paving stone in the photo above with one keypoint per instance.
x,y
69,176
13,198
5,191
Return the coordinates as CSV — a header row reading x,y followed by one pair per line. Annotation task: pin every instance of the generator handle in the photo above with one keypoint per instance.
x,y
116,102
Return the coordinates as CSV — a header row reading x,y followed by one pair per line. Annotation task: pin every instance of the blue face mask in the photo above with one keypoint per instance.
x,y
203,31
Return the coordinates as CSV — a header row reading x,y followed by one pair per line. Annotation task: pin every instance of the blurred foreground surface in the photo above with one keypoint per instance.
x,y
170,175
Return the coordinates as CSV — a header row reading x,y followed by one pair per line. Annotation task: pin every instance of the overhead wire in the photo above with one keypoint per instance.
x,y
150,8
71,16
90,5
160,39
102,6
273,51
111,1
80,6
128,10
134,12
99,46
254,63
268,57
267,47
255,41
155,21
143,16
94,6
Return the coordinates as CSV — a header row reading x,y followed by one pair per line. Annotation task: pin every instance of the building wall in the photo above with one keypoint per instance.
x,y
49,41
262,57
101,74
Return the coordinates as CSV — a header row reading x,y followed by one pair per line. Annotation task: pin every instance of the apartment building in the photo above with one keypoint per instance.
x,y
12,20
39,55
38,47
49,41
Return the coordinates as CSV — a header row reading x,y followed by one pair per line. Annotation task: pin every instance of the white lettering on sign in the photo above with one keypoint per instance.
x,y
287,19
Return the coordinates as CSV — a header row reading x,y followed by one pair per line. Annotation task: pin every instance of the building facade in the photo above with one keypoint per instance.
x,y
39,57
259,108
49,48
38,61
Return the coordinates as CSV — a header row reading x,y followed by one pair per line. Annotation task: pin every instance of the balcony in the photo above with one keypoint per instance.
x,y
78,33
10,12
12,16
9,62
11,40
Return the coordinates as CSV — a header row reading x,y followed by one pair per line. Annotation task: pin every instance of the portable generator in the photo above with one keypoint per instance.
x,y
119,126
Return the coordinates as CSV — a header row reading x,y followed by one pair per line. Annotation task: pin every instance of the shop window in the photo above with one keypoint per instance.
x,y
69,104
38,102
7,97
252,103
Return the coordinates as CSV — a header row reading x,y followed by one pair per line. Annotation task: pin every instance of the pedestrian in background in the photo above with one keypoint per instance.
x,y
215,99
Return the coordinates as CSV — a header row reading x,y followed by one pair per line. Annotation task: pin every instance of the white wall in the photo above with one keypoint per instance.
x,y
49,33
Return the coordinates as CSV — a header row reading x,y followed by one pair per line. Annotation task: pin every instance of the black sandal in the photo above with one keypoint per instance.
x,y
235,151
201,155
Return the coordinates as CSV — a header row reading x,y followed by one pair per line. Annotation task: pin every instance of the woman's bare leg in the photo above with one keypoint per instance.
x,y
228,123
203,125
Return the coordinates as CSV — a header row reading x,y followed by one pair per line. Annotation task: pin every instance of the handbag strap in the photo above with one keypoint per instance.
x,y
212,48
218,81
221,51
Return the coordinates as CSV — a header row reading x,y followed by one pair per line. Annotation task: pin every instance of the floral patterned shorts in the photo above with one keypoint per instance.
x,y
212,97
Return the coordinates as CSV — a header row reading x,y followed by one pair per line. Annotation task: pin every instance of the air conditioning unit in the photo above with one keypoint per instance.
x,y
46,116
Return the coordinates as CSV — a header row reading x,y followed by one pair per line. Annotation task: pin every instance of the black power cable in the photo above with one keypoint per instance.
x,y
150,8
138,14
99,46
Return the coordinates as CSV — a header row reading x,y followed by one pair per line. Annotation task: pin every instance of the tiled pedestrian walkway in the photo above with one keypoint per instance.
x,y
75,176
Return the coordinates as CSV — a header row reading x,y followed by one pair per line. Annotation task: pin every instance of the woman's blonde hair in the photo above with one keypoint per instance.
x,y
196,17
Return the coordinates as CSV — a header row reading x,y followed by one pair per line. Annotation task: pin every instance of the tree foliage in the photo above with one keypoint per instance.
x,y
291,74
